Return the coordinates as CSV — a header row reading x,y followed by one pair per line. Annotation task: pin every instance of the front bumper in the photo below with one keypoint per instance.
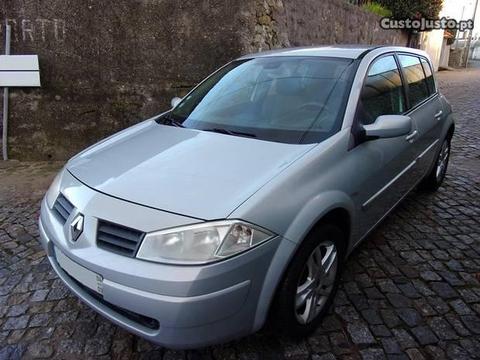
x,y
175,306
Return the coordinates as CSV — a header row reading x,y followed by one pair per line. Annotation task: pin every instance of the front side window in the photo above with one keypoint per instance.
x,y
415,77
429,76
285,99
382,92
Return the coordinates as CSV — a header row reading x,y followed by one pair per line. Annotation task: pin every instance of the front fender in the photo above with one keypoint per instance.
x,y
313,211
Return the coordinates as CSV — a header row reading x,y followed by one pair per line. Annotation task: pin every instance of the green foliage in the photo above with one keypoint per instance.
x,y
377,8
413,9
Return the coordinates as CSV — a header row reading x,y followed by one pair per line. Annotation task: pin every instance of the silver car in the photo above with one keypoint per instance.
x,y
242,202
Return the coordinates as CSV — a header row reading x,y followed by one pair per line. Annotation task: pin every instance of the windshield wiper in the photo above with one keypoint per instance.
x,y
168,120
231,132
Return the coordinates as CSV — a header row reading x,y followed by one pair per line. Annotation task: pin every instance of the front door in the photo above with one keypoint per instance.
x,y
385,167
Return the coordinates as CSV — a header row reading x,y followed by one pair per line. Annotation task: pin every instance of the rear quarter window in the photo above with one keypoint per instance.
x,y
429,76
415,78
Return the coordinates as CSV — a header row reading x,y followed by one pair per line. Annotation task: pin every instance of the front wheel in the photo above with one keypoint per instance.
x,y
311,282
436,176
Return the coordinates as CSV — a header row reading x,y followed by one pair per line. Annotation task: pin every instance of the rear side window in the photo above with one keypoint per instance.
x,y
428,76
382,92
415,78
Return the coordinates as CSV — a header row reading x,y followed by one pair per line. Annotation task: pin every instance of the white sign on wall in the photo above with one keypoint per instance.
x,y
19,71
15,71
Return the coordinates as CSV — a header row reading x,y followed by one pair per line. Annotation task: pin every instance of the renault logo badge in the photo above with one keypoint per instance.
x,y
76,227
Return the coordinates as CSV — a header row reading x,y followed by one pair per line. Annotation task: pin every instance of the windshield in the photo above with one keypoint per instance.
x,y
284,99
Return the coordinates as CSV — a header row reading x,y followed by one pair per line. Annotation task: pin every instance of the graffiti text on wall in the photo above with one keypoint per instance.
x,y
35,30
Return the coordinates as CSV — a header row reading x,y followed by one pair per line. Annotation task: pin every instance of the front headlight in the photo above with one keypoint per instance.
x,y
201,243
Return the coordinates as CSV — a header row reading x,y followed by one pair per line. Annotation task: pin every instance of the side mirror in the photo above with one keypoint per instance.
x,y
388,126
174,102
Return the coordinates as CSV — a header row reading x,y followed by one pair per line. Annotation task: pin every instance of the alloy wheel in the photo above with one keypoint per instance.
x,y
442,161
316,282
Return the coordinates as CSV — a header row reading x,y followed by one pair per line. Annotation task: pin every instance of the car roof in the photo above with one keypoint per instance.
x,y
339,51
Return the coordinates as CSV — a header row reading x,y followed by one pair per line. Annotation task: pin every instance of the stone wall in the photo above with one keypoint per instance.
x,y
283,23
108,64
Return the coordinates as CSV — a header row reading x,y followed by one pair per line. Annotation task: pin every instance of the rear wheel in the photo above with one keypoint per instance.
x,y
311,282
436,176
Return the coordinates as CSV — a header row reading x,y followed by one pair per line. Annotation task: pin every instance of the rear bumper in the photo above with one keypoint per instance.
x,y
175,306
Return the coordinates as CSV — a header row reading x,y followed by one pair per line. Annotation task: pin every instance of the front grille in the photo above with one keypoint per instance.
x,y
117,238
62,208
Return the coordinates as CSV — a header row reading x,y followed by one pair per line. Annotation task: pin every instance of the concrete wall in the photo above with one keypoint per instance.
x,y
445,55
108,64
432,42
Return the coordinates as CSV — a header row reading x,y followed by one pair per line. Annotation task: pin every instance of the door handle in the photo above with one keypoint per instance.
x,y
411,136
438,114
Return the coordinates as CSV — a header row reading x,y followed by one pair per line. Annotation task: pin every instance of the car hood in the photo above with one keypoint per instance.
x,y
185,171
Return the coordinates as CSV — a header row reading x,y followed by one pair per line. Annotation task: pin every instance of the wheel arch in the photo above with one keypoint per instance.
x,y
339,215
450,131
334,206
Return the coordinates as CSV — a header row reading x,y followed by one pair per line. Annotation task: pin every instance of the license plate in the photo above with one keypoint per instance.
x,y
84,276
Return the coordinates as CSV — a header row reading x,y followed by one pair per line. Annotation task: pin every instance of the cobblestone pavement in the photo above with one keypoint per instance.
x,y
411,290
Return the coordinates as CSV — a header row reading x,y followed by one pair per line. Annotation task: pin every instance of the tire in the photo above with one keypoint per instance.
x,y
435,177
291,319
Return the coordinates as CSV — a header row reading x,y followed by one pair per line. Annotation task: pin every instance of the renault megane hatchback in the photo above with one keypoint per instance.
x,y
243,201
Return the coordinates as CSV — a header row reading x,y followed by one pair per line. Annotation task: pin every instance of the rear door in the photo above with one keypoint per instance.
x,y
425,109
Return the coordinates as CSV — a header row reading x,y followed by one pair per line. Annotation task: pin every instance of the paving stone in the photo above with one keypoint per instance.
x,y
16,336
409,290
13,351
372,317
340,343
472,346
456,352
410,316
40,295
438,305
451,278
380,331
39,320
424,308
58,293
296,351
472,322
360,333
442,329
347,313
460,307
415,354
40,350
435,352
372,354
424,335
404,338
13,323
399,301
457,325
444,290
373,293
327,356
387,286
17,310
319,343
391,346
390,318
